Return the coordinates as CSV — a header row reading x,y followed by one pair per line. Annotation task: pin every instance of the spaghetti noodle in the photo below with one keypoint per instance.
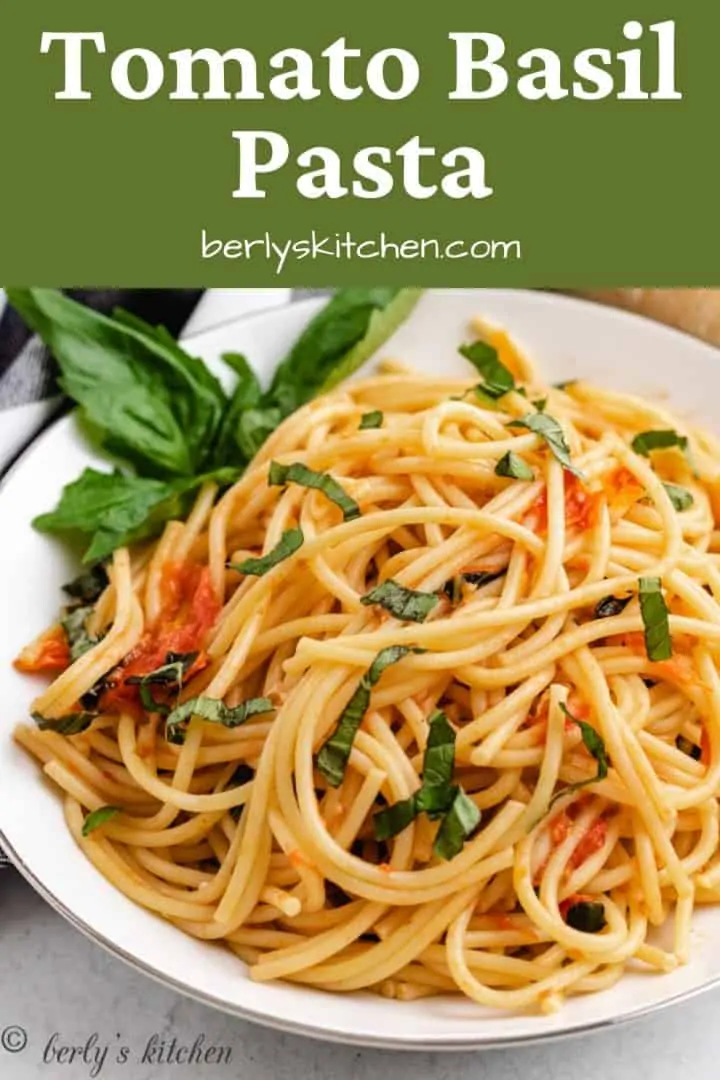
x,y
424,703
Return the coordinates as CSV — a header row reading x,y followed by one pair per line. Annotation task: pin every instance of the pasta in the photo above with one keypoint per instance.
x,y
428,702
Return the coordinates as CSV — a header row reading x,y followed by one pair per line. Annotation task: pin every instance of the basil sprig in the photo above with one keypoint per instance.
x,y
335,751
98,817
213,711
513,466
654,611
408,604
437,796
595,745
297,473
497,379
290,542
548,428
165,416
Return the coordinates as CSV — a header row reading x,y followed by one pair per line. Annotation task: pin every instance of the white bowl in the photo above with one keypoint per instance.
x,y
568,338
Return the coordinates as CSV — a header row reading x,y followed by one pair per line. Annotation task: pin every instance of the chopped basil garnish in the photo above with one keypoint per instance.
x,y
564,384
287,545
514,467
611,605
549,429
73,623
658,644
483,577
436,797
594,744
98,817
335,751
687,747
458,825
89,586
662,439
586,915
407,604
370,420
497,379
541,404
72,724
170,675
215,712
453,590
394,819
297,473
680,497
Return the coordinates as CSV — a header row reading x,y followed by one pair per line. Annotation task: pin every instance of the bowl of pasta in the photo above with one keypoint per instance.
x,y
364,682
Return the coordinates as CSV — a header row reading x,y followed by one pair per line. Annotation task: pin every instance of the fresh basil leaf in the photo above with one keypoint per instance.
x,y
587,916
595,745
334,343
497,379
513,466
170,675
89,586
457,826
297,473
386,313
370,420
214,712
97,818
150,402
680,497
71,724
254,426
115,509
611,605
335,751
394,819
408,604
660,439
549,429
658,643
230,448
290,542
73,623
688,747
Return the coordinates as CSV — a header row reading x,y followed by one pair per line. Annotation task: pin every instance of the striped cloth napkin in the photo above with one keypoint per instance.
x,y
29,397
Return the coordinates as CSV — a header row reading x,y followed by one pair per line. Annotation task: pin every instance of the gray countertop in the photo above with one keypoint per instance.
x,y
58,990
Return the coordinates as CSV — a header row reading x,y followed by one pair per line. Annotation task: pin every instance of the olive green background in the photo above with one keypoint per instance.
x,y
116,192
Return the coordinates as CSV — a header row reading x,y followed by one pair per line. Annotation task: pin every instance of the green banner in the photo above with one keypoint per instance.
x,y
312,142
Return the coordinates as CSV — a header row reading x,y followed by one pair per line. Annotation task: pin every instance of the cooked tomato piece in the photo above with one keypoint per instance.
x,y
581,506
591,842
190,608
49,654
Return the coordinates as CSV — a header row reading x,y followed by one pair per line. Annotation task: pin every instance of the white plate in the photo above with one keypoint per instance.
x,y
568,338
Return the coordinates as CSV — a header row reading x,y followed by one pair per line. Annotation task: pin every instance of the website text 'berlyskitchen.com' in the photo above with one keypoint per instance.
x,y
346,246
